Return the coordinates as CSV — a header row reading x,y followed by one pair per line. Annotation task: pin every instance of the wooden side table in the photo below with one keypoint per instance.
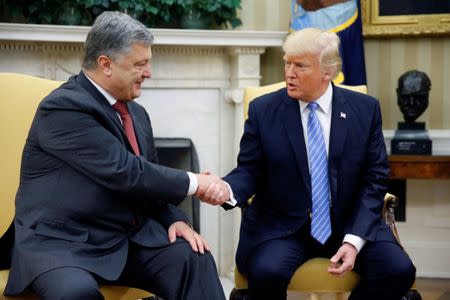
x,y
419,166
405,167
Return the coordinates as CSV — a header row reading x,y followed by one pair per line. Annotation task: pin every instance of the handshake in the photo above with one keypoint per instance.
x,y
211,189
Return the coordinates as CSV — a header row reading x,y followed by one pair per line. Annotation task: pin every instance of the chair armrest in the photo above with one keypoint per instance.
x,y
390,202
388,213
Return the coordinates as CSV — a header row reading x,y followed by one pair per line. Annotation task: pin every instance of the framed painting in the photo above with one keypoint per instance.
x,y
405,17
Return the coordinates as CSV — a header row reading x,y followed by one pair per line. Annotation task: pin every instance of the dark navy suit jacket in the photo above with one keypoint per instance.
x,y
83,195
273,166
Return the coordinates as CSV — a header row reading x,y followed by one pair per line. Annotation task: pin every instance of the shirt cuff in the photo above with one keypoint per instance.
x,y
232,200
355,240
193,184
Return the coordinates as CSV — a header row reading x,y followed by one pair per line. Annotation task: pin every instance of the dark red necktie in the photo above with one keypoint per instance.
x,y
127,122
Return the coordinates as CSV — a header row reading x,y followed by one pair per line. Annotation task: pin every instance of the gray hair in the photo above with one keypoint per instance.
x,y
313,40
112,34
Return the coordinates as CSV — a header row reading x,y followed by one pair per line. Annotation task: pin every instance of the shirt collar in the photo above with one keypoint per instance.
x,y
324,101
107,95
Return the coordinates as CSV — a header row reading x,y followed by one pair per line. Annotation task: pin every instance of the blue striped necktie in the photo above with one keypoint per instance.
x,y
318,164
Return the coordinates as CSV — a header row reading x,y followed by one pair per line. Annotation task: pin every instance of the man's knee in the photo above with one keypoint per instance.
x,y
181,254
403,271
399,275
267,272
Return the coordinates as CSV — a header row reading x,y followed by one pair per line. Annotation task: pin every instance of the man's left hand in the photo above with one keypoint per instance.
x,y
343,261
181,229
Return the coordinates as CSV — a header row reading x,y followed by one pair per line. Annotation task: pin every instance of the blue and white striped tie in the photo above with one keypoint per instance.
x,y
318,164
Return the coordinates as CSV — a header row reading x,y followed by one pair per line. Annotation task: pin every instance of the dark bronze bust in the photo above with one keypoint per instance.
x,y
411,137
412,94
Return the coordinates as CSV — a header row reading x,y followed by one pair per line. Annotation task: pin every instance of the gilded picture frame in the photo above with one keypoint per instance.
x,y
378,23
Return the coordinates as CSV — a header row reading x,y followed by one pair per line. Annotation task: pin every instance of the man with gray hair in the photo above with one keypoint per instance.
x,y
93,205
313,157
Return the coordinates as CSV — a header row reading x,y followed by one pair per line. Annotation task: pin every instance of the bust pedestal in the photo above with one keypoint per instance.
x,y
411,138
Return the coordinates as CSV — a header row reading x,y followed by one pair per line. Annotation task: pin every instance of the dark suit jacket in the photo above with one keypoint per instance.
x,y
273,166
83,194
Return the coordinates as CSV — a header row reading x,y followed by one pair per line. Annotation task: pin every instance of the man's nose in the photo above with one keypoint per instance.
x,y
147,72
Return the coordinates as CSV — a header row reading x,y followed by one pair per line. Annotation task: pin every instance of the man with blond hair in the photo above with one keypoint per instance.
x,y
313,156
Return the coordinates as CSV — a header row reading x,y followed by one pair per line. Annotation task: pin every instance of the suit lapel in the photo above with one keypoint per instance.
x,y
293,125
87,85
341,116
112,114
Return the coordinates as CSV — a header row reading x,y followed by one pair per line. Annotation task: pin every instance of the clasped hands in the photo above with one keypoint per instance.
x,y
211,189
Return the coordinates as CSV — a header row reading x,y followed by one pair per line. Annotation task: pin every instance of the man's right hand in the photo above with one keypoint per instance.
x,y
211,189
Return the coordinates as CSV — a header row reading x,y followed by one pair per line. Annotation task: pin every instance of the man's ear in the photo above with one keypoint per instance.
x,y
104,63
327,75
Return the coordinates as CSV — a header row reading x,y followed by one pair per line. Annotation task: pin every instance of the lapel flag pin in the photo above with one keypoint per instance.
x,y
343,115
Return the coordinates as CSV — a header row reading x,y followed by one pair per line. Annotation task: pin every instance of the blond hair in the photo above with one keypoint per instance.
x,y
316,41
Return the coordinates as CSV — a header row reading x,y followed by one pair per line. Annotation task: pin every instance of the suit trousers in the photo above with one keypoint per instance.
x,y
174,272
385,269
